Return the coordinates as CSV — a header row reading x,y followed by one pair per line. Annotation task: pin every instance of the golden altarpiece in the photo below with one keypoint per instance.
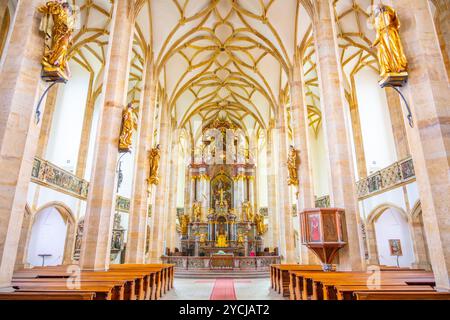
x,y
222,215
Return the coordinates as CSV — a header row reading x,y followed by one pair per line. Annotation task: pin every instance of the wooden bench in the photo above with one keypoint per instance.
x,y
58,296
282,281
402,296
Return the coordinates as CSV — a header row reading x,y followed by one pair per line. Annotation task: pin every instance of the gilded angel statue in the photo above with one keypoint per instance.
x,y
58,24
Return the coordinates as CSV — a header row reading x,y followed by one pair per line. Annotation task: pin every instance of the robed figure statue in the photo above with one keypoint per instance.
x,y
391,57
153,157
129,124
58,24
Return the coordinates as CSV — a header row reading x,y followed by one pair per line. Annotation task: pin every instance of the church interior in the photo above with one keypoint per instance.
x,y
224,149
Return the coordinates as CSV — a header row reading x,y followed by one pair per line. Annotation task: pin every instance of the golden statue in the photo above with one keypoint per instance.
x,y
197,211
129,123
154,156
292,167
202,238
184,223
391,57
241,239
58,24
222,241
247,212
260,226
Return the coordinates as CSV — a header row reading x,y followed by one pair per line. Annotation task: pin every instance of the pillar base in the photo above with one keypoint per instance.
x,y
7,289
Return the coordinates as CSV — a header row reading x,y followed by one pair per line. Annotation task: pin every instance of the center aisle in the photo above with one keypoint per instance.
x,y
222,289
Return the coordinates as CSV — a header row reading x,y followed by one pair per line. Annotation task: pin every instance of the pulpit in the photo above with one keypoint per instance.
x,y
324,232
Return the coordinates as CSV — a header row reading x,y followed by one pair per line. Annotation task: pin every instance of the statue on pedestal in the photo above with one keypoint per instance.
x,y
260,225
247,212
391,57
184,223
129,124
58,24
154,156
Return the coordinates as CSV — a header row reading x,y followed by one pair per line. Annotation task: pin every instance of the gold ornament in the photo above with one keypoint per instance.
x,y
248,212
292,167
129,124
58,24
153,157
260,226
197,211
391,57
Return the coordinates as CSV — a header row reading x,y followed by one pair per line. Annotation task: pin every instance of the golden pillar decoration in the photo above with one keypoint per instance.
x,y
154,156
391,57
292,165
58,25
129,124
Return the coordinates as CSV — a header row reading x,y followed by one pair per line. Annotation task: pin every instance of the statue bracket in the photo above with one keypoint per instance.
x,y
41,99
395,82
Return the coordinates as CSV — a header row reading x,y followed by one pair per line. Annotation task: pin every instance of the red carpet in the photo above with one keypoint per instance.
x,y
223,290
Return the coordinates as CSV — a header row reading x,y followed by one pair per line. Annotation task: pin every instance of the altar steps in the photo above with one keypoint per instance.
x,y
224,274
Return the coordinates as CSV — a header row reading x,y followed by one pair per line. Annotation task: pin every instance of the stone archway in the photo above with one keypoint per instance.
x,y
27,225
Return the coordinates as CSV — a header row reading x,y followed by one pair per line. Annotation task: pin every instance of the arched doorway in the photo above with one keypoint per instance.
x,y
390,238
50,231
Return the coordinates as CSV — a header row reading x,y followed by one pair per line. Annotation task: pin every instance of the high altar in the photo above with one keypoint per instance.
x,y
222,215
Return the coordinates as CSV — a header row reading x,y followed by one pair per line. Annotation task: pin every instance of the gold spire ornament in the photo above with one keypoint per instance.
x,y
58,25
391,57
292,165
129,124
153,157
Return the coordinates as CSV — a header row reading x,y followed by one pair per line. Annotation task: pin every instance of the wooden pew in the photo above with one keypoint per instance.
x,y
347,292
402,296
283,283
58,296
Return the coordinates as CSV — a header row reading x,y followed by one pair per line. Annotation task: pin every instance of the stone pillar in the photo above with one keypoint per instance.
x,y
86,131
20,88
284,203
419,245
300,127
161,195
443,29
96,244
342,179
398,124
428,93
47,121
272,232
172,214
361,164
135,252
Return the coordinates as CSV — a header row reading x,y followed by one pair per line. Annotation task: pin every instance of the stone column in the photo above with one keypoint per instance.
x,y
300,127
272,232
86,131
443,29
20,88
161,195
47,121
398,124
284,203
96,244
172,214
428,93
137,227
342,179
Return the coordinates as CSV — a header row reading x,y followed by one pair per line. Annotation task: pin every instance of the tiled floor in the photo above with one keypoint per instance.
x,y
248,289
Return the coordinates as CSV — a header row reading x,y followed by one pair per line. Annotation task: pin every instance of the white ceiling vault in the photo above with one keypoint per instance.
x,y
225,58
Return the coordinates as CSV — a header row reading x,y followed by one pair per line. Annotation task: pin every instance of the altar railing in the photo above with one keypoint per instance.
x,y
261,263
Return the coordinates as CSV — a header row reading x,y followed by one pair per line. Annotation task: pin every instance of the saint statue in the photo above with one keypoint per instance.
x,y
247,211
292,167
222,241
58,24
197,211
129,124
260,226
184,223
241,239
202,238
153,157
391,56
